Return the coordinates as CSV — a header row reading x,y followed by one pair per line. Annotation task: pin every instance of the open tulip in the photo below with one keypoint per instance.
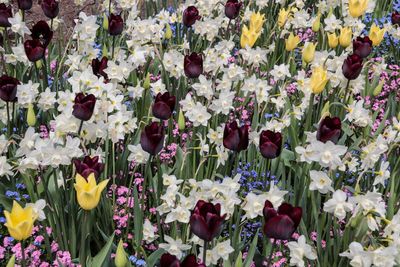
x,y
98,67
8,88
89,165
5,14
270,144
84,106
168,260
345,36
256,21
362,46
206,220
115,25
50,8
309,52
164,105
352,67
34,50
190,15
193,65
292,42
232,8
376,34
19,221
152,138
283,16
42,32
282,223
396,18
25,4
236,138
248,37
88,192
329,129
333,40
357,7
319,79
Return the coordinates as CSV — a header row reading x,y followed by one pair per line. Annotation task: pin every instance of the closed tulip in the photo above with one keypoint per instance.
x,y
168,260
376,34
333,40
88,192
292,42
232,8
25,4
309,52
50,8
84,106
5,14
396,18
34,50
345,36
319,79
281,224
236,138
193,65
362,46
270,144
357,8
121,259
316,23
8,88
206,220
152,138
190,16
329,129
115,25
98,67
352,67
89,165
31,116
164,105
19,221
42,32
248,37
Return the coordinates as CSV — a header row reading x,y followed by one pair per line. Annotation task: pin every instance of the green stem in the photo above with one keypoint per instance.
x,y
271,253
8,119
80,128
23,263
205,252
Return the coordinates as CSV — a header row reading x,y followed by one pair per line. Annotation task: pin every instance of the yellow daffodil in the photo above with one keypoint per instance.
x,y
309,52
248,37
345,36
319,79
88,192
357,8
292,42
333,40
316,23
283,16
376,34
256,22
20,221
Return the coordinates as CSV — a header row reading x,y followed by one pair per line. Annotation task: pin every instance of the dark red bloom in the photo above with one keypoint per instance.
x,y
396,18
164,105
282,223
89,165
352,67
329,129
232,8
362,46
84,106
25,4
270,144
50,8
193,65
236,138
8,88
152,138
5,14
206,221
115,24
190,15
34,50
98,67
42,32
168,260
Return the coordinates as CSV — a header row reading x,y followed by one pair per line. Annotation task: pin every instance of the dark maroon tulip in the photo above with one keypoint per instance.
x,y
168,260
42,32
236,138
164,105
270,144
206,221
352,67
115,24
282,223
152,138
34,50
396,18
98,67
329,129
232,8
362,46
190,15
5,14
84,106
8,88
50,8
89,165
25,4
193,65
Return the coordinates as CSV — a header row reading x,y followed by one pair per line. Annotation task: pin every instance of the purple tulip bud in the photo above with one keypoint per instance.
x,y
193,65
164,105
152,138
8,88
115,25
232,8
84,106
235,138
362,46
352,67
270,144
50,8
329,129
34,50
396,18
190,15
25,4
5,14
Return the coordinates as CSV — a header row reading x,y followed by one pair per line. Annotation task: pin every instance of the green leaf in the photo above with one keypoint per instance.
x,y
287,157
238,262
103,255
138,220
154,257
252,250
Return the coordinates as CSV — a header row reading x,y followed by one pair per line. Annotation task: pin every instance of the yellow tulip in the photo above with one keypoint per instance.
x,y
20,221
283,16
376,34
292,42
256,22
345,36
316,23
248,37
309,52
318,80
168,32
88,192
181,121
121,259
357,7
333,40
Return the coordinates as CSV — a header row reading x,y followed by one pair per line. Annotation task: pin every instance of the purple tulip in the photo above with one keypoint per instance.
x,y
152,138
362,46
98,67
5,14
115,25
164,105
34,50
84,106
190,15
329,129
352,67
89,165
25,4
232,8
42,32
8,88
50,8
236,138
193,65
270,144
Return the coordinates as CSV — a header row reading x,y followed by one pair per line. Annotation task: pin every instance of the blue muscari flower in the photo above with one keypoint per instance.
x,y
26,196
11,194
132,259
171,9
268,115
140,263
20,186
2,220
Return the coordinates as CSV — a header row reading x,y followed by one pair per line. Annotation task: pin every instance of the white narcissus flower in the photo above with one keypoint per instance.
x,y
358,115
5,168
148,231
338,205
18,25
275,195
26,93
299,250
38,209
138,154
357,255
174,247
320,181
383,174
254,205
328,154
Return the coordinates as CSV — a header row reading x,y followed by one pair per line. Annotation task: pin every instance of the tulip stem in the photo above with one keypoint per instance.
x,y
205,253
310,112
8,119
271,253
113,47
80,128
346,93
23,263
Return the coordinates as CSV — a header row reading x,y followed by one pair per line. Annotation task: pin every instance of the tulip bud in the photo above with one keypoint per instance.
x,y
104,51
330,129
116,25
164,105
236,138
333,40
84,106
193,65
121,259
376,34
317,23
309,52
318,80
11,261
232,8
190,16
146,83
152,138
50,8
270,144
30,116
352,67
8,88
378,88
181,121
168,32
105,21
5,14
292,42
345,36
325,110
